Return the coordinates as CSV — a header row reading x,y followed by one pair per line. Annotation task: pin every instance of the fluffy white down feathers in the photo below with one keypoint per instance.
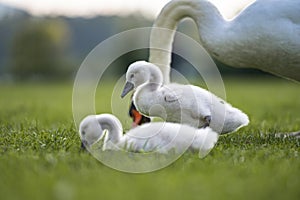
x,y
160,137
187,104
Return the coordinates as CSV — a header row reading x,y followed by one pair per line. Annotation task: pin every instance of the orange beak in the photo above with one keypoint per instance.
x,y
137,117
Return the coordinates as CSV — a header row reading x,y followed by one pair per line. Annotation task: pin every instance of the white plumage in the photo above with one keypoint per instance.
x,y
160,137
265,35
177,103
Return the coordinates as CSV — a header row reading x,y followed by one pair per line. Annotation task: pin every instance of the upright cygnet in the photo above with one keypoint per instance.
x,y
187,104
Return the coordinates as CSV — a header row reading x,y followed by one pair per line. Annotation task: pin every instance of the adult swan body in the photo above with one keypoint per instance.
x,y
265,36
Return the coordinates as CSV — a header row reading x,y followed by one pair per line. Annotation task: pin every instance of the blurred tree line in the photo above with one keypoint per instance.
x,y
52,48
39,50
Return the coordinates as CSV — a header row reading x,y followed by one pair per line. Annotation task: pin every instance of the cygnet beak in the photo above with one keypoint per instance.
x,y
84,144
127,88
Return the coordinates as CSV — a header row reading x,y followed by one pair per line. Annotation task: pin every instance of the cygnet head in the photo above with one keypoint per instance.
x,y
90,131
141,72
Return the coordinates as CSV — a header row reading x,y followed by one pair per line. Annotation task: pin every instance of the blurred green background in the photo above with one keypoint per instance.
x,y
47,48
40,156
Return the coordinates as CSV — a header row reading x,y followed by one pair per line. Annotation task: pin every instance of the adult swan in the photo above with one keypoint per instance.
x,y
265,36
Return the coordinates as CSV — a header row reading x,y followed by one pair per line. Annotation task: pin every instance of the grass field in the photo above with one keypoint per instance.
x,y
40,155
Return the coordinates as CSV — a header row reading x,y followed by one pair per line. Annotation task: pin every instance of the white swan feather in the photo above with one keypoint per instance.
x,y
265,35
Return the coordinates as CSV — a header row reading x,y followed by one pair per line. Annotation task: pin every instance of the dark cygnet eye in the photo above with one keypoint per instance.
x,y
82,132
132,75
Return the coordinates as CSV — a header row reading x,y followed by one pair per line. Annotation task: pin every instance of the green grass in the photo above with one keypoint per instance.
x,y
40,155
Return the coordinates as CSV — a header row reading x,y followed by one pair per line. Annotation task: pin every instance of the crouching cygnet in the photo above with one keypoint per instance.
x,y
160,137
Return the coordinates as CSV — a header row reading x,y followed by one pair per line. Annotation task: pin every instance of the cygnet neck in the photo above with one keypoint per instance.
x,y
155,78
113,126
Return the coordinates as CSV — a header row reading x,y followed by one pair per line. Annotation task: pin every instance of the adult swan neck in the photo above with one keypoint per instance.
x,y
204,13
